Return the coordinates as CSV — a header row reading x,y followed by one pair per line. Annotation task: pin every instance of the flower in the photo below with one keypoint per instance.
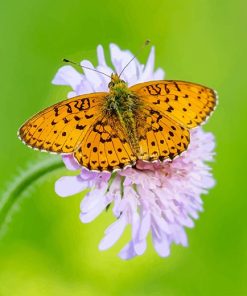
x,y
157,198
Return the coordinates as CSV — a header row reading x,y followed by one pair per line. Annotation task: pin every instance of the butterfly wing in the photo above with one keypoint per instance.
x,y
187,103
169,109
104,147
61,127
160,137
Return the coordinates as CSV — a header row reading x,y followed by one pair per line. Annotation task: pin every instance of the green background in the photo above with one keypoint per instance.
x,y
45,249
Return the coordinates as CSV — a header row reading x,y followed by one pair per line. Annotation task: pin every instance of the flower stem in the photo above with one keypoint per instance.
x,y
27,178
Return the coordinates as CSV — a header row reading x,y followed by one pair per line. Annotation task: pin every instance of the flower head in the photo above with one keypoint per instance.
x,y
157,198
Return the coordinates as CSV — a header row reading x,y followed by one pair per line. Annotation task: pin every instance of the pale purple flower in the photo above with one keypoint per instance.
x,y
157,198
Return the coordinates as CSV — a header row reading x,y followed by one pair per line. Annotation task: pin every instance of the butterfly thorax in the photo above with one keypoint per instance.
x,y
122,107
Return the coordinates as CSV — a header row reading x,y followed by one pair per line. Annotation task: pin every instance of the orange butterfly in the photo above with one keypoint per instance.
x,y
108,131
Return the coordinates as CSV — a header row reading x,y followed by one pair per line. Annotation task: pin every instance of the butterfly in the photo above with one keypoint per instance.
x,y
108,131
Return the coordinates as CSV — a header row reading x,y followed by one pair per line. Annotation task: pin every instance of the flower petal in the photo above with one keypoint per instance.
x,y
91,210
144,226
120,59
93,77
140,246
127,252
93,199
101,55
67,75
70,162
159,74
70,185
113,233
161,244
71,94
148,71
90,216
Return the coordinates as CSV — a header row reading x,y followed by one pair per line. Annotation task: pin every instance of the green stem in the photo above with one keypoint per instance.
x,y
15,190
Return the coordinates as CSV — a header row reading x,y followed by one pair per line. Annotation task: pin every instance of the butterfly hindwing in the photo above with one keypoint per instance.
x,y
61,127
105,148
187,103
160,137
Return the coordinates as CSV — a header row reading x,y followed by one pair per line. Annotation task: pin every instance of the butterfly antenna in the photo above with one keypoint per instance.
x,y
147,42
84,67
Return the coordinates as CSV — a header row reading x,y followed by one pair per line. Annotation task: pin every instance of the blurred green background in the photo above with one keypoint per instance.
x,y
46,250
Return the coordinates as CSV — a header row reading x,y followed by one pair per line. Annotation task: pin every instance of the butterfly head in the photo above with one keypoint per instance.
x,y
116,83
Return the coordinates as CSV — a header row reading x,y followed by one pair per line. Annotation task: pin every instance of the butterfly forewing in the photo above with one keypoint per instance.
x,y
187,103
61,127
